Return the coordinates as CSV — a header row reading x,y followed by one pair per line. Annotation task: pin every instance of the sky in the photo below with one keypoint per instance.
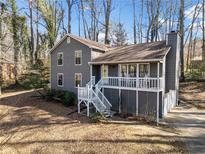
x,y
123,12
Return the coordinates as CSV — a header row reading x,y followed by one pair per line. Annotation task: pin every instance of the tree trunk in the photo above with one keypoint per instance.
x,y
69,15
31,31
37,31
107,7
203,30
15,38
181,30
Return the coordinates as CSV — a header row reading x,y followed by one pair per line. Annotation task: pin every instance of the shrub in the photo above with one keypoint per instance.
x,y
97,117
194,75
65,97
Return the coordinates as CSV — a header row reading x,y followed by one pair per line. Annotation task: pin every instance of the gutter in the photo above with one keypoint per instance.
x,y
121,62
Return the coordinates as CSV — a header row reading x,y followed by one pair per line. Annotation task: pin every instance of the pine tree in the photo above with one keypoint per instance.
x,y
120,35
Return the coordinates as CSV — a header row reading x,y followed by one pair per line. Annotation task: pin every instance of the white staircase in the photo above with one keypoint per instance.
x,y
91,94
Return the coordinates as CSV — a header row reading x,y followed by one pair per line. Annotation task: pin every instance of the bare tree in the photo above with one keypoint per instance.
x,y
15,28
70,4
134,22
37,32
52,16
107,9
190,46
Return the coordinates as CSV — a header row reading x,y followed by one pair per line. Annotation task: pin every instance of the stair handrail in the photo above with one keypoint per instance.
x,y
105,100
98,88
93,92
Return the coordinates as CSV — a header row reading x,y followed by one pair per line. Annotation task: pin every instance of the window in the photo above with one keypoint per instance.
x,y
60,79
68,40
132,70
78,79
124,70
104,71
60,59
144,70
78,57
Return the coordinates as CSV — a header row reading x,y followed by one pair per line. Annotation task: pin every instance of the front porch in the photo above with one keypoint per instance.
x,y
130,76
136,88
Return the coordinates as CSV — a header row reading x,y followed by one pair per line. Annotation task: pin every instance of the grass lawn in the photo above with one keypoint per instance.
x,y
32,125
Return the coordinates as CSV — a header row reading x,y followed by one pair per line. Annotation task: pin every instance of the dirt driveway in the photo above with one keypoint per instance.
x,y
189,117
191,123
32,125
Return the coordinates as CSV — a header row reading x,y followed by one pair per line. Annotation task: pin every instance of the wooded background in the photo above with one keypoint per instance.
x,y
29,28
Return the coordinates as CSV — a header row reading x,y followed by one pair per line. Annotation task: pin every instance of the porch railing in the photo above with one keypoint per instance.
x,y
84,92
132,83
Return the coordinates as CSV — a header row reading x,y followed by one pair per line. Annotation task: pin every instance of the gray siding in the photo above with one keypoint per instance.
x,y
113,70
147,103
97,72
172,62
69,69
153,70
128,98
113,97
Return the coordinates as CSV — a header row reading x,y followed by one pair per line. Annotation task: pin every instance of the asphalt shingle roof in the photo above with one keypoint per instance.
x,y
154,51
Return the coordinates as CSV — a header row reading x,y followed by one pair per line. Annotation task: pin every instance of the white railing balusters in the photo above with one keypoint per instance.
x,y
130,82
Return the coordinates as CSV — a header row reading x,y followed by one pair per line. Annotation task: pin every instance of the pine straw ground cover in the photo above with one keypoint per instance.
x,y
33,125
193,93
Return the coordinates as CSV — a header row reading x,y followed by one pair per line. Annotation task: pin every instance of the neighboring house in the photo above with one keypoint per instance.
x,y
140,79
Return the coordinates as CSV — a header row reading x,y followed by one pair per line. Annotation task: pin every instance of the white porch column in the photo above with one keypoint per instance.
x,y
78,106
78,101
158,64
119,84
163,82
137,94
91,73
88,108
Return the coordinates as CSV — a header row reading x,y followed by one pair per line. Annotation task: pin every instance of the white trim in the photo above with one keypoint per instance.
x,y
80,79
74,37
164,83
131,61
119,70
62,79
81,57
62,58
91,74
128,88
137,103
68,40
158,93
